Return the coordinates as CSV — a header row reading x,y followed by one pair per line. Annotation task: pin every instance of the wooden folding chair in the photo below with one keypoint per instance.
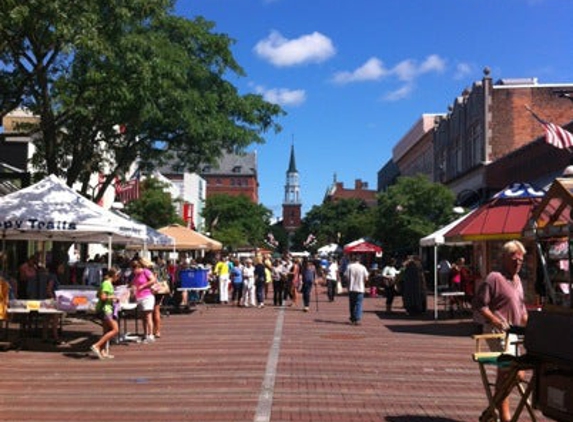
x,y
508,359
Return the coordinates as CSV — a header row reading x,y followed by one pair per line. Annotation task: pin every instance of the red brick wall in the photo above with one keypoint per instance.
x,y
220,184
533,161
513,126
291,217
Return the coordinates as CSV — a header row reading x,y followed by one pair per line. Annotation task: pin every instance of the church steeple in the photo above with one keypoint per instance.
x,y
292,203
292,164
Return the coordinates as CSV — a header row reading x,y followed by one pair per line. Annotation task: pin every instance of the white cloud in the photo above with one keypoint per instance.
x,y
406,71
372,70
399,94
463,70
282,96
281,52
433,63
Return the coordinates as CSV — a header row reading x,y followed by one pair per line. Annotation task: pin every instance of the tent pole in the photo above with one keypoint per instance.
x,y
109,242
4,255
436,282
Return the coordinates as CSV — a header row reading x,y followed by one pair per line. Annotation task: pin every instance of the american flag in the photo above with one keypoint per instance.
x,y
310,240
554,134
557,136
128,191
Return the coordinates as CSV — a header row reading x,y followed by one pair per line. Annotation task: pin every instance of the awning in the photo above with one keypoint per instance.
x,y
187,239
437,238
502,218
51,210
362,246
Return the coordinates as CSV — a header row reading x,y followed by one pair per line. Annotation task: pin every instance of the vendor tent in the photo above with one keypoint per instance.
x,y
156,238
330,249
51,210
152,236
362,246
437,239
187,239
501,218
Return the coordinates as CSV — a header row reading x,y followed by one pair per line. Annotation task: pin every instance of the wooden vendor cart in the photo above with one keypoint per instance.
x,y
549,333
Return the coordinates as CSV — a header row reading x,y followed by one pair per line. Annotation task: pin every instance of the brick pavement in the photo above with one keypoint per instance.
x,y
223,363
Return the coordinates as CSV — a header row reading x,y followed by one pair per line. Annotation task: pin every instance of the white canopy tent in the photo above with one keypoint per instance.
x,y
437,239
152,237
51,210
330,249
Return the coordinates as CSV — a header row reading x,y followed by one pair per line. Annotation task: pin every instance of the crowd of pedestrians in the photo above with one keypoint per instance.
x,y
250,282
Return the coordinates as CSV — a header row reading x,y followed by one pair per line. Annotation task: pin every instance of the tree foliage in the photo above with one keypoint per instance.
x,y
155,206
411,209
336,222
236,221
116,81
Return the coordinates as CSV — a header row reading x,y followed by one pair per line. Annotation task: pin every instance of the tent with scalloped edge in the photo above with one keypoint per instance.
x,y
51,210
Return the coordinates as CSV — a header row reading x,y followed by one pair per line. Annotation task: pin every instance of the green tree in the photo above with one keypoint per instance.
x,y
236,220
115,81
281,237
411,209
337,222
154,206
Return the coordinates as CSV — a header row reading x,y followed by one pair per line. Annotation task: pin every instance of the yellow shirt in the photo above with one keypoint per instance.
x,y
222,268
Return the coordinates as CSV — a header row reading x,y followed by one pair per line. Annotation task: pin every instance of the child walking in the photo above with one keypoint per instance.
x,y
105,309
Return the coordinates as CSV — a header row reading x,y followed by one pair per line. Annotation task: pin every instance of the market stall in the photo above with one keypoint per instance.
x,y
548,338
187,239
495,222
437,239
368,250
52,211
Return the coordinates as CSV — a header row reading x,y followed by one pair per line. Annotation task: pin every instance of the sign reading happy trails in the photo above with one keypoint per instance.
x,y
39,225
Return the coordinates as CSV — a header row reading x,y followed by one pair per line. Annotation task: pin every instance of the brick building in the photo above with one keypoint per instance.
x,y
337,192
233,174
488,122
414,153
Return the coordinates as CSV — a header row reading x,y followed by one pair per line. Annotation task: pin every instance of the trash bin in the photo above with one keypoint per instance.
x,y
194,278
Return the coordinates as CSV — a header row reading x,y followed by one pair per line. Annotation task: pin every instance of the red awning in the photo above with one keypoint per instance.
x,y
496,220
362,247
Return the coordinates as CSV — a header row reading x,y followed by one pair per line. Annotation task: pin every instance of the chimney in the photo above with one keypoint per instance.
x,y
359,184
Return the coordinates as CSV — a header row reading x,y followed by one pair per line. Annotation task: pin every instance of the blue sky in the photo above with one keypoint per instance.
x,y
355,75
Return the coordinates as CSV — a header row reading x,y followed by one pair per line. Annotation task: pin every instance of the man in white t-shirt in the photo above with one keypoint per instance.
x,y
332,278
357,275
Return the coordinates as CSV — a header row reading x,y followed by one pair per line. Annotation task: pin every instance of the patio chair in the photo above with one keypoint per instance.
x,y
488,354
